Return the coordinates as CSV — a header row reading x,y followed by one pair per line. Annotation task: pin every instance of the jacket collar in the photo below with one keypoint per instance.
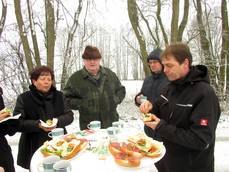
x,y
86,74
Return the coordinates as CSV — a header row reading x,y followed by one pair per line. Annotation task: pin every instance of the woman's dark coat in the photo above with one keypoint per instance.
x,y
35,106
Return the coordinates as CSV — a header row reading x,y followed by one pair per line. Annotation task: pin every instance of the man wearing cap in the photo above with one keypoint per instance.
x,y
95,91
154,83
151,89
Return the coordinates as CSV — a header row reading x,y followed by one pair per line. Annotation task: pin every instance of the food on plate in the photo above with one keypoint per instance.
x,y
7,112
114,148
125,160
151,148
132,150
69,137
123,156
65,148
147,117
49,122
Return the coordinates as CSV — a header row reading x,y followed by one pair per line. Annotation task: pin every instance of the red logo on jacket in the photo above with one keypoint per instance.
x,y
203,122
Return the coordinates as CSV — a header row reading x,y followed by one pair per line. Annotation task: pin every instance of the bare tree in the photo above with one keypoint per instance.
x,y
158,14
23,34
205,45
184,21
224,68
177,31
3,17
69,46
50,31
174,22
133,16
33,35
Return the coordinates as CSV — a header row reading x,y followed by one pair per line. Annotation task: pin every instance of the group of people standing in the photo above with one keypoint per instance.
x,y
184,107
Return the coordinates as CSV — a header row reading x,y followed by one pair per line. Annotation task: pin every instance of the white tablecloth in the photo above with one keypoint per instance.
x,y
87,161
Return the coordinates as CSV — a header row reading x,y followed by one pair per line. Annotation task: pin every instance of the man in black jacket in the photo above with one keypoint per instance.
x,y
186,114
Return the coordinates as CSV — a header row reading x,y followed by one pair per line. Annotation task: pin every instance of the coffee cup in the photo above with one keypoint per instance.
x,y
112,131
94,125
62,166
48,163
56,133
143,99
118,124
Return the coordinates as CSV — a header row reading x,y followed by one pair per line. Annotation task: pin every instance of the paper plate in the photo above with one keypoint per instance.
x,y
54,122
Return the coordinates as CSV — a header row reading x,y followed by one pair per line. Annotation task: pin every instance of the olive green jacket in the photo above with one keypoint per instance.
x,y
95,99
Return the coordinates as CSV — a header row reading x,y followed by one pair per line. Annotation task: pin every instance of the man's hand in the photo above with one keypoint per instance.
x,y
146,106
153,124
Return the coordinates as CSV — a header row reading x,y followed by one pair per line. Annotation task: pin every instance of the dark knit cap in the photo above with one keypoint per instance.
x,y
154,55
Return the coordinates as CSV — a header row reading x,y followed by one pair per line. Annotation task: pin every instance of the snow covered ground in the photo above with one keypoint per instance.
x,y
130,114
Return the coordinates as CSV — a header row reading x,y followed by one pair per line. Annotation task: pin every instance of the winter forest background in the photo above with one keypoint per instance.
x,y
55,32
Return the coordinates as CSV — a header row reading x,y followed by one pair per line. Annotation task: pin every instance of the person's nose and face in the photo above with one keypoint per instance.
x,y
43,83
173,69
155,66
92,65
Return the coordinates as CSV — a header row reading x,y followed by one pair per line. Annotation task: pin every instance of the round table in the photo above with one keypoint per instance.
x,y
87,161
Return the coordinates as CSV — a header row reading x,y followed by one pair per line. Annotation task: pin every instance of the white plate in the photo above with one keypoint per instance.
x,y
11,117
54,122
146,162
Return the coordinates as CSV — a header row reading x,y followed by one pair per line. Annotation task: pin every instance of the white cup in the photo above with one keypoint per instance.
x,y
143,99
62,166
118,124
94,125
56,133
112,133
48,163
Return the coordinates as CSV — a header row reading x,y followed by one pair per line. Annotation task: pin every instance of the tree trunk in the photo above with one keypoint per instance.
x,y
160,22
23,34
174,22
50,31
205,45
224,67
133,16
69,46
33,35
3,17
184,21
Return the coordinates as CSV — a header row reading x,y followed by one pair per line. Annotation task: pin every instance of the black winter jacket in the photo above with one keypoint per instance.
x,y
152,86
7,127
34,106
189,111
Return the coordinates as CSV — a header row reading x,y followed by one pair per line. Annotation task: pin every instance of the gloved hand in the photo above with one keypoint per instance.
x,y
9,127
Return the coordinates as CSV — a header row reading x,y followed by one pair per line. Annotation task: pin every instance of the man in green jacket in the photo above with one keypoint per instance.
x,y
95,91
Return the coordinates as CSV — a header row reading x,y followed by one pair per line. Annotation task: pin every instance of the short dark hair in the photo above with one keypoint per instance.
x,y
179,50
40,71
91,52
